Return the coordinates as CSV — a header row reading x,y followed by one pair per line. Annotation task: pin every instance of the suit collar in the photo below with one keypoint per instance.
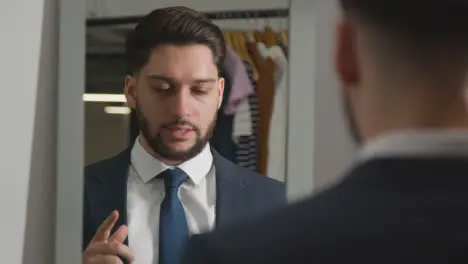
x,y
417,143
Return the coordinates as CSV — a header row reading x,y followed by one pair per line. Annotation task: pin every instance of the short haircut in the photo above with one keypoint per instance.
x,y
419,16
176,25
423,25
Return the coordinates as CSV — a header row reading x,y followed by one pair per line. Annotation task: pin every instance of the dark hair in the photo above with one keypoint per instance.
x,y
415,20
176,25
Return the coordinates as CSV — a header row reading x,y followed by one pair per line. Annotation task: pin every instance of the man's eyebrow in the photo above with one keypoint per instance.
x,y
172,80
205,80
161,77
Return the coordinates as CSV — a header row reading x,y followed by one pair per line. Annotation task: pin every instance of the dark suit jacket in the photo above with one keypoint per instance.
x,y
385,211
241,194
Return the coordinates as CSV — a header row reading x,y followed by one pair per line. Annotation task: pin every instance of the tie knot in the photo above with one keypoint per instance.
x,y
173,178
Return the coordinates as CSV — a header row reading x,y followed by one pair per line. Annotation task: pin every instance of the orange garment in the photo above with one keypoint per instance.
x,y
265,93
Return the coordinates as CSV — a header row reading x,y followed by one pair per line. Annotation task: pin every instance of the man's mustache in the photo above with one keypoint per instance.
x,y
180,122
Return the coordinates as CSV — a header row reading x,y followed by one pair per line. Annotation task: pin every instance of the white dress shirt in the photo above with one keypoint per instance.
x,y
276,167
145,194
417,143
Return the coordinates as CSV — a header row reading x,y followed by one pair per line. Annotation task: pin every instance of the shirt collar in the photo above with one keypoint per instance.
x,y
422,143
147,167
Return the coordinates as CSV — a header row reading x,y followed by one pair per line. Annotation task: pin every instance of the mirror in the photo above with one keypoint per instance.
x,y
148,120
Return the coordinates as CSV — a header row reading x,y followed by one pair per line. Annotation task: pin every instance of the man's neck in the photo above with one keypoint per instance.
x,y
418,114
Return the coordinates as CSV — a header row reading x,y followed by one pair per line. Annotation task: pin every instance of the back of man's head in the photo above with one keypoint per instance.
x,y
401,56
423,32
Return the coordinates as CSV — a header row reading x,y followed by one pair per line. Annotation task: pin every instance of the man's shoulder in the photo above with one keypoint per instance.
x,y
254,178
99,165
265,234
321,209
260,192
247,173
105,165
257,178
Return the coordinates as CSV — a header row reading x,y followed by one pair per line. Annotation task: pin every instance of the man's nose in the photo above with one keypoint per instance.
x,y
180,103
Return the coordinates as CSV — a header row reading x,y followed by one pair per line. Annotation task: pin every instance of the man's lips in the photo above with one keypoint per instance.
x,y
180,131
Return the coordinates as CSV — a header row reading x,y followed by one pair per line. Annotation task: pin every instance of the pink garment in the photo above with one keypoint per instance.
x,y
241,87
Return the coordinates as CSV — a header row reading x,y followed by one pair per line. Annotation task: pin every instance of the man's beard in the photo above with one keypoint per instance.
x,y
351,120
160,148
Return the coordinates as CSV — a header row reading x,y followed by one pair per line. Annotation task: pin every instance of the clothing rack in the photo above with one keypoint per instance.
x,y
222,15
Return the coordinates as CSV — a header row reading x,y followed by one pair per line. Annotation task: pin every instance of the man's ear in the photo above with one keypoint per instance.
x,y
131,91
346,59
221,83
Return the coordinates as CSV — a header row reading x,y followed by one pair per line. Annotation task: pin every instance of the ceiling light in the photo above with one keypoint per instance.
x,y
117,98
117,110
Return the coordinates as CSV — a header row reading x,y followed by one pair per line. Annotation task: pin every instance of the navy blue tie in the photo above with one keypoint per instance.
x,y
173,229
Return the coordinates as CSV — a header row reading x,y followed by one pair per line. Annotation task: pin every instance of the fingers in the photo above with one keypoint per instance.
x,y
103,232
119,235
106,249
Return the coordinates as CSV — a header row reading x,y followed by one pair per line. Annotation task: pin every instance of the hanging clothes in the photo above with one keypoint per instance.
x,y
265,94
252,123
241,86
276,167
283,42
285,50
246,122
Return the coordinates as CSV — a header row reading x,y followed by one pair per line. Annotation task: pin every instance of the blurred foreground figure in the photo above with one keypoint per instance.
x,y
403,66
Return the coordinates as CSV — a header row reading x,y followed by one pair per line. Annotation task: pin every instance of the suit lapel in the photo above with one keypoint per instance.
x,y
109,192
229,184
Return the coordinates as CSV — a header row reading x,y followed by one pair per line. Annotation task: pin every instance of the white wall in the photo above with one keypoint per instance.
x,y
70,132
319,147
27,145
115,8
333,147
